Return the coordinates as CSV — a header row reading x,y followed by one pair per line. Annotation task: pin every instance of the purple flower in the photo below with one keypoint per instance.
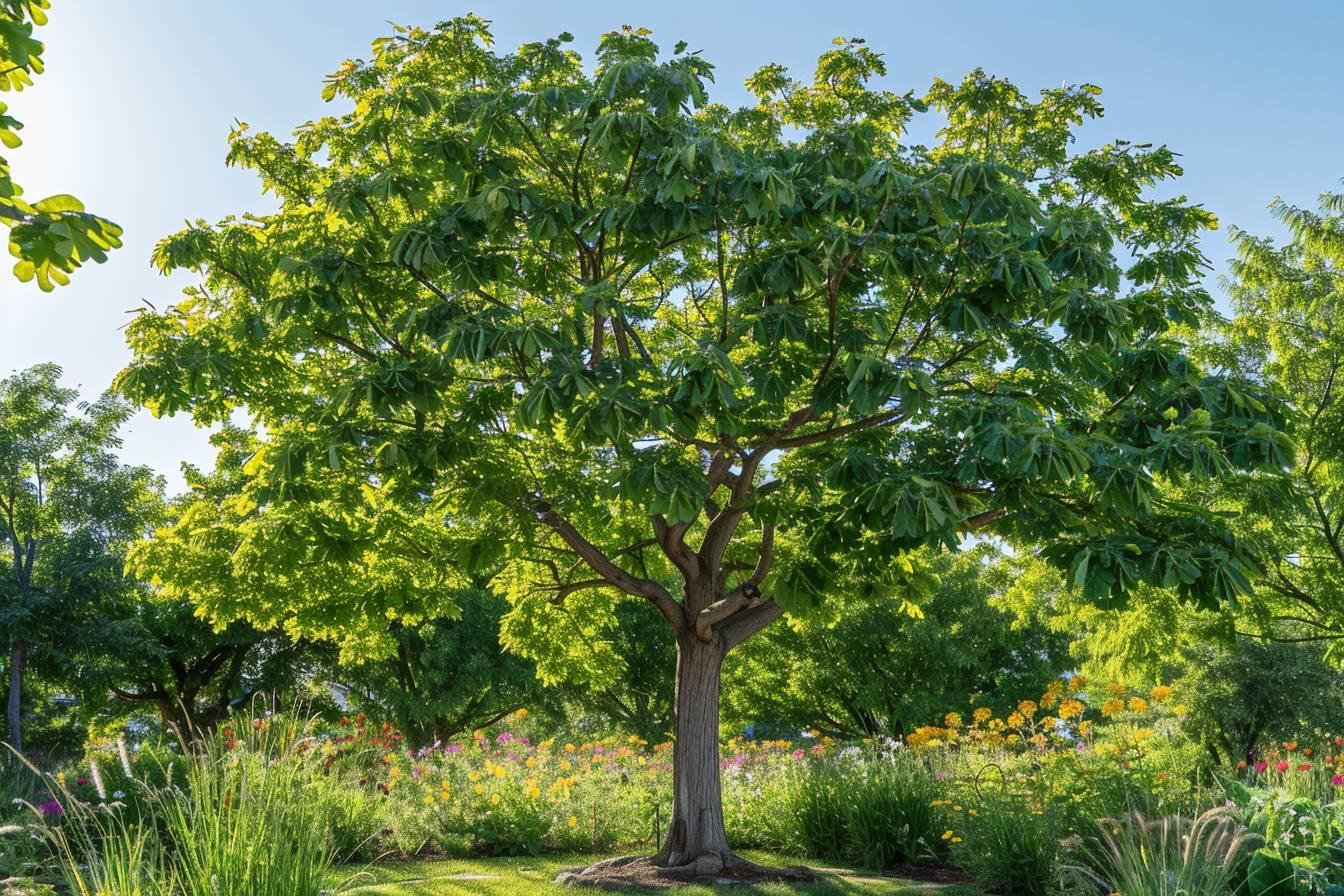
x,y
504,738
451,749
50,809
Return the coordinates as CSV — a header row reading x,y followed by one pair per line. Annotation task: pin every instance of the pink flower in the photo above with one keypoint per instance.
x,y
797,754
1337,780
1282,765
1260,766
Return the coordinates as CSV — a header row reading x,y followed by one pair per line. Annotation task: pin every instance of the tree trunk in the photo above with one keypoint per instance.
x,y
18,657
696,836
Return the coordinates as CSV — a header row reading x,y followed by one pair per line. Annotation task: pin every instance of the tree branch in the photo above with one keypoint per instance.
x,y
605,567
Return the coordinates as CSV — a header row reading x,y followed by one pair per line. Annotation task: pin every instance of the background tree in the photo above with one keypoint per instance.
x,y
447,675
68,506
861,668
1245,694
53,236
582,325
160,655
1289,333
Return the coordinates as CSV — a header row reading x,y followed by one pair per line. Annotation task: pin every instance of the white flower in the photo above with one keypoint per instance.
x,y
117,794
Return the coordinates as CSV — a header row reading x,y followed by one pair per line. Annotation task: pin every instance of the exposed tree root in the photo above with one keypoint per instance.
x,y
709,868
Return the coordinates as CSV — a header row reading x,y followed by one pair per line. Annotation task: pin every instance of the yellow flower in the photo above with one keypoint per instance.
x,y
473,776
572,821
956,839
1138,704
947,835
569,748
952,720
1160,693
531,762
1016,719
982,714
1027,708
494,799
1180,709
521,714
429,799
1111,707
1115,689
480,789
1070,709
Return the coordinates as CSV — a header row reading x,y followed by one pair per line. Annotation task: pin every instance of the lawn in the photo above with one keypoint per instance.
x,y
507,876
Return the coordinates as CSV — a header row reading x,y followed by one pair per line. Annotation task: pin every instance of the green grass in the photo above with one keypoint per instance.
x,y
508,876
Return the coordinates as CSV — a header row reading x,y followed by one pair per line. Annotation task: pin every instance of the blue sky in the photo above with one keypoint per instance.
x,y
139,95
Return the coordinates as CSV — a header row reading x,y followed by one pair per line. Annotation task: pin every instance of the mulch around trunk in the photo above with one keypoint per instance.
x,y
640,871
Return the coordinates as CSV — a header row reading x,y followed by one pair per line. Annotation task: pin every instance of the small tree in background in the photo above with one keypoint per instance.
x,y
586,327
865,668
53,236
68,507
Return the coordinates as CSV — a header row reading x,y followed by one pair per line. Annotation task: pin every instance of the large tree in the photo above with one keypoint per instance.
x,y
584,326
53,236
68,507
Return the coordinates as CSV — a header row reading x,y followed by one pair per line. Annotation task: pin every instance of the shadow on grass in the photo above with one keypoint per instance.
x,y
503,877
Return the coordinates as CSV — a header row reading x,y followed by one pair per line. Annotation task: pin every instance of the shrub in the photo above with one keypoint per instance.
x,y
894,813
352,818
815,801
1009,848
876,810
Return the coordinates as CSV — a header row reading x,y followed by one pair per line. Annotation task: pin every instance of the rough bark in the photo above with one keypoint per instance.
x,y
695,835
18,658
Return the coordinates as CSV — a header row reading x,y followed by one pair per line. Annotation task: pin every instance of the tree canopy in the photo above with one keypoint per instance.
x,y
660,293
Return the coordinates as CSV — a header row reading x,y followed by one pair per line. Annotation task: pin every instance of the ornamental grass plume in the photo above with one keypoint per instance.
x,y
1171,856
